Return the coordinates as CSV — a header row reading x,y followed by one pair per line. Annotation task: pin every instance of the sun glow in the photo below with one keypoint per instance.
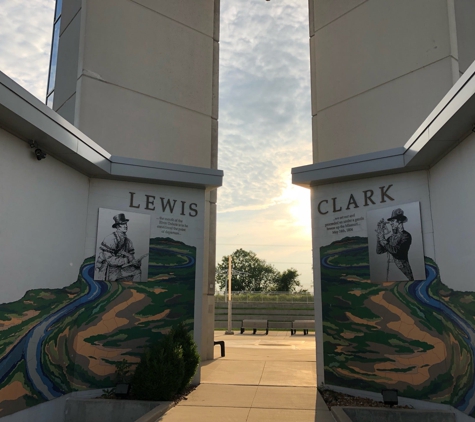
x,y
298,200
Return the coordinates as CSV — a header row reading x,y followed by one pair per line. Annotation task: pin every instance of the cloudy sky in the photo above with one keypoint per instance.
x,y
265,118
265,130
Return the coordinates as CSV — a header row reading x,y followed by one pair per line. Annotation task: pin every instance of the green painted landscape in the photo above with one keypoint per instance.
x,y
78,333
417,337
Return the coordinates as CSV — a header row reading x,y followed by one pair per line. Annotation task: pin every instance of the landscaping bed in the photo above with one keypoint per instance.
x,y
333,398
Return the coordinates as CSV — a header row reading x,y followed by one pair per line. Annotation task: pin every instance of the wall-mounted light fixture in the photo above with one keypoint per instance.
x,y
39,153
122,391
390,397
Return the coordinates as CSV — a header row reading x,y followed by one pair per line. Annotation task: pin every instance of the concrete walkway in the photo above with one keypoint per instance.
x,y
262,379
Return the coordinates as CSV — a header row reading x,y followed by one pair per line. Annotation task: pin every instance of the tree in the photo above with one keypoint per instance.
x,y
287,281
249,272
252,274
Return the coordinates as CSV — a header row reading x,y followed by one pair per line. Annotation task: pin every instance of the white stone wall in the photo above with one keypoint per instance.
x,y
116,195
453,202
406,188
43,209
140,77
464,15
378,68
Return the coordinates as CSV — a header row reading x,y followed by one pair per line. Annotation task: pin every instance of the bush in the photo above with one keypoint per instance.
x,y
167,367
191,357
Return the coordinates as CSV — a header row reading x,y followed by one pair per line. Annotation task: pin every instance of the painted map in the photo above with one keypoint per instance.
x,y
55,341
417,337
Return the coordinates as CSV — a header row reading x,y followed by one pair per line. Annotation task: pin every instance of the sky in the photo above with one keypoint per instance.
x,y
265,130
264,118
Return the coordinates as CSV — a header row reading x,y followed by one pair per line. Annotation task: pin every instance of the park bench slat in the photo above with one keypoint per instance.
x,y
254,324
302,324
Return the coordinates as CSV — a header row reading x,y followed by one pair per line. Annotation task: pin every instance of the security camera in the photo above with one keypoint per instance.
x,y
39,154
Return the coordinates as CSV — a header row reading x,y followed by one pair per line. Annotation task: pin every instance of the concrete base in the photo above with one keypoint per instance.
x,y
420,405
102,410
372,414
52,410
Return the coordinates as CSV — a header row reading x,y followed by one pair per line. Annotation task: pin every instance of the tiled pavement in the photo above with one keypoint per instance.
x,y
262,378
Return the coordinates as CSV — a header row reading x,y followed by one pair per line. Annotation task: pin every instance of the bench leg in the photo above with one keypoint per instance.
x,y
254,330
221,344
242,330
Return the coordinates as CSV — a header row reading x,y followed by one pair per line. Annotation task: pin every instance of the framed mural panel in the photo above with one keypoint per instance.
x,y
396,251
122,246
415,336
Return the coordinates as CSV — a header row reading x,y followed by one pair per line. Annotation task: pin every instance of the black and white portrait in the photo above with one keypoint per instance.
x,y
122,246
395,243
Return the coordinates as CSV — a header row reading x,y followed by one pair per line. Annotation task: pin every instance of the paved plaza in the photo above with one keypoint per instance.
x,y
262,378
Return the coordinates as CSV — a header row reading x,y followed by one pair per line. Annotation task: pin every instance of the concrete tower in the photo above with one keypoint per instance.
x,y
393,94
380,66
140,78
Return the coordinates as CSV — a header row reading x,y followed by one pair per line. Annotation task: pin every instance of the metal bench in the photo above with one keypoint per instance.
x,y
255,324
280,325
221,343
302,324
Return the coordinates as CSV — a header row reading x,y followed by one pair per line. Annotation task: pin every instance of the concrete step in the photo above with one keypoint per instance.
x,y
238,311
373,414
265,305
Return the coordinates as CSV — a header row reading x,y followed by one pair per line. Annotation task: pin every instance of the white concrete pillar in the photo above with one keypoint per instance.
x,y
140,77
380,66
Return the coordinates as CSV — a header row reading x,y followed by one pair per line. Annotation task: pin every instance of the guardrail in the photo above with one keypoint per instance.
x,y
284,297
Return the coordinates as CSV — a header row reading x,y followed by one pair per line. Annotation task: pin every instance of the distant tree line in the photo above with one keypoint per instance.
x,y
252,274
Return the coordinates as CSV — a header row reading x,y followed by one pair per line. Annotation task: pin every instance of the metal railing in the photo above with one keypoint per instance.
x,y
284,297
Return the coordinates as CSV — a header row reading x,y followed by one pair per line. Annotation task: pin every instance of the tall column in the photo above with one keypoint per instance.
x,y
379,67
140,78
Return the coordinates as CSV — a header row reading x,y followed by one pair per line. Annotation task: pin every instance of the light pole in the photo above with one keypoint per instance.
x,y
230,310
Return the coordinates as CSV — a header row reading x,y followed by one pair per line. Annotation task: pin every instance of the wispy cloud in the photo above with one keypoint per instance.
x,y
25,39
265,130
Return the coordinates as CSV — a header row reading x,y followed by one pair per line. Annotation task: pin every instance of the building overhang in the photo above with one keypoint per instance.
x,y
29,119
451,121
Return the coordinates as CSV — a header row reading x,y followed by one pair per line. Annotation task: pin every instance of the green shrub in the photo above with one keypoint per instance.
x,y
191,357
159,374
167,367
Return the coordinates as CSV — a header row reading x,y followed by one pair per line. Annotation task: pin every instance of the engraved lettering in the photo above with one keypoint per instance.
x,y
131,205
368,194
319,205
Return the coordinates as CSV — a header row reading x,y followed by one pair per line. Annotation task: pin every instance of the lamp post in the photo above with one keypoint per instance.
x,y
230,310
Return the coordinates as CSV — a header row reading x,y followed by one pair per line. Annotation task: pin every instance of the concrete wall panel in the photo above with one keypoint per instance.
x,y
382,118
196,14
139,126
326,11
42,238
378,42
464,15
146,52
69,10
67,110
453,199
68,55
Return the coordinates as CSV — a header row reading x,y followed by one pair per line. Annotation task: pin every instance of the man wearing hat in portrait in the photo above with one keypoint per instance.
x,y
116,260
397,245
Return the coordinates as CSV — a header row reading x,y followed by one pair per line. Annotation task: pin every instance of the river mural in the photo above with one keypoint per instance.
x,y
415,336
55,341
